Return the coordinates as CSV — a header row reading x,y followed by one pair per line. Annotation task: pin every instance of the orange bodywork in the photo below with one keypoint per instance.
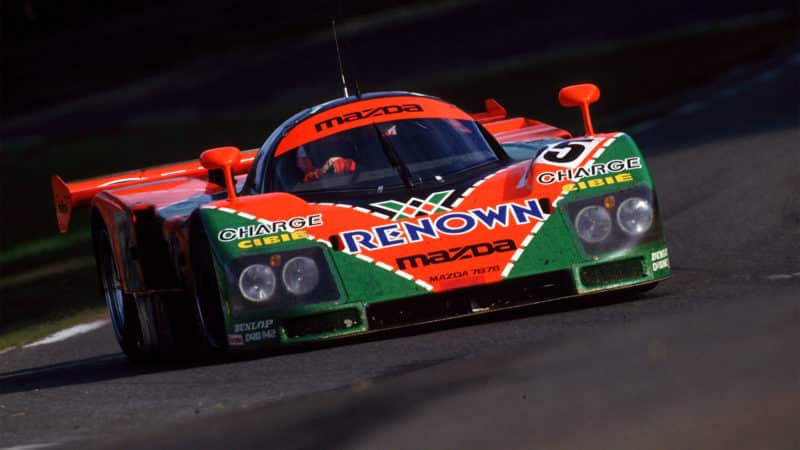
x,y
353,115
68,196
493,111
520,129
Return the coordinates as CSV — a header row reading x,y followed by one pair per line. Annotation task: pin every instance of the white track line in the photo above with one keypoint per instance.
x,y
69,332
783,276
30,446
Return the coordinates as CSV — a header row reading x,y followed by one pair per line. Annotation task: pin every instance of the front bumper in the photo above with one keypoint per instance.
x,y
638,268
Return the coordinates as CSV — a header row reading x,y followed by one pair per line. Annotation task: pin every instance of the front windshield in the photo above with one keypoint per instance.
x,y
383,156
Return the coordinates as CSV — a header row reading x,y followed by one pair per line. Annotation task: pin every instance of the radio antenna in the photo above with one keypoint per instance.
x,y
339,57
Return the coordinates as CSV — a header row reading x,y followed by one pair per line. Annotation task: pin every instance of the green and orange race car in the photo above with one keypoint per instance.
x,y
366,213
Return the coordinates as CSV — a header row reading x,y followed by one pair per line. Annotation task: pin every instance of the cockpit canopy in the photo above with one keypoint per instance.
x,y
378,144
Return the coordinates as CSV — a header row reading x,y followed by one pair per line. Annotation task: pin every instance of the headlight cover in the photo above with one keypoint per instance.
x,y
635,216
257,283
296,277
300,275
593,224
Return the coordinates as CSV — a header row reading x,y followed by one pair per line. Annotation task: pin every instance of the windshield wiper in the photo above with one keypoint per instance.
x,y
394,158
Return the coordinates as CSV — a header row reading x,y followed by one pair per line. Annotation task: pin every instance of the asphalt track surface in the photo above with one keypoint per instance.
x,y
709,359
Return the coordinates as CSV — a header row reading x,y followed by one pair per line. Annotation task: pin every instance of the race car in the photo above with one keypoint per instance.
x,y
366,213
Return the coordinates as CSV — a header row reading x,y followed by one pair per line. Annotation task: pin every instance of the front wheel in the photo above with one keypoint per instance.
x,y
205,291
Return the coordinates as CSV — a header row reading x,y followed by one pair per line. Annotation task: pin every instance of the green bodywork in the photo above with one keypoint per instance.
x,y
555,247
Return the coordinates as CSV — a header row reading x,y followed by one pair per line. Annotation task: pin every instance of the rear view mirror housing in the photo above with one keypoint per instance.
x,y
581,96
222,159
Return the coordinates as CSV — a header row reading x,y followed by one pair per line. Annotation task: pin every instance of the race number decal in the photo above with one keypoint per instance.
x,y
570,153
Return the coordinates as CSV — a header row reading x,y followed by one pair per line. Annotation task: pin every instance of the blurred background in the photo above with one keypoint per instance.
x,y
93,87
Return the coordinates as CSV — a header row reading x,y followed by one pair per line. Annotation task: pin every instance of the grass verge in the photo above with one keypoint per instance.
x,y
46,245
52,298
27,332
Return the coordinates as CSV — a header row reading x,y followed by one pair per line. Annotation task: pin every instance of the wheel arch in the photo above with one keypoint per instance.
x,y
116,219
140,248
205,288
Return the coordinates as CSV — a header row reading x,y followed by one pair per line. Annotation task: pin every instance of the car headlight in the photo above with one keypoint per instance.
x,y
257,283
593,224
635,215
300,275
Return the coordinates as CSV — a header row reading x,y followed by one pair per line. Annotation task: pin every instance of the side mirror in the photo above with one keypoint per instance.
x,y
223,158
580,95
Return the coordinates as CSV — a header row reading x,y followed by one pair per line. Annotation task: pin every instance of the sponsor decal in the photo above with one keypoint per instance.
x,y
624,177
414,207
610,167
463,273
367,113
262,335
255,331
272,239
262,229
448,276
451,223
660,260
253,326
456,253
235,339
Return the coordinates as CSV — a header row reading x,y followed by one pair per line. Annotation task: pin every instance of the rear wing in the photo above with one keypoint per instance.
x,y
68,196
514,129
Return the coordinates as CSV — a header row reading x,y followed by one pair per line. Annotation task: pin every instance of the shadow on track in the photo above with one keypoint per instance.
x,y
116,366
333,422
89,370
80,371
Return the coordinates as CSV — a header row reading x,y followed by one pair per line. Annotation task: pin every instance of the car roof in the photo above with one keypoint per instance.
x,y
346,113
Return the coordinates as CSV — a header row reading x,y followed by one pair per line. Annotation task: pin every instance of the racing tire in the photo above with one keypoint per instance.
x,y
122,307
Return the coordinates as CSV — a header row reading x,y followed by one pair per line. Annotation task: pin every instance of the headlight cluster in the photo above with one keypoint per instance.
x,y
635,215
593,223
257,283
300,275
613,221
288,278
